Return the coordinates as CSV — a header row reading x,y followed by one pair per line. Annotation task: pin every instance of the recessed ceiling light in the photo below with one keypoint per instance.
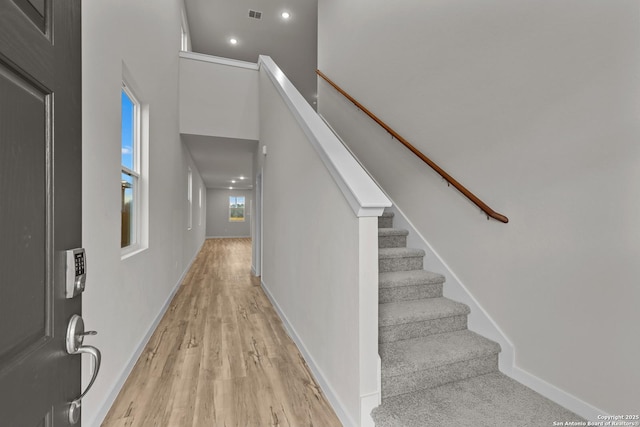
x,y
230,188
233,41
233,181
242,177
285,15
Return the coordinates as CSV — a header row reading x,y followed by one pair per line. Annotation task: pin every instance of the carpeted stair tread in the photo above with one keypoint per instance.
x,y
384,232
400,259
385,220
400,312
392,237
403,357
389,253
490,400
409,285
394,279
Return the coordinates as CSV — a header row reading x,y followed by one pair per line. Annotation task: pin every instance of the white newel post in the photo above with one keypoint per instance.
x,y
370,390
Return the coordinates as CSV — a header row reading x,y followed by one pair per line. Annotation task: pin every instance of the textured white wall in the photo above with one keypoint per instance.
x,y
124,297
535,106
218,224
310,253
218,100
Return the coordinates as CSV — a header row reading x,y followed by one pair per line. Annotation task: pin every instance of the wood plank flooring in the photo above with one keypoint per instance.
x,y
221,357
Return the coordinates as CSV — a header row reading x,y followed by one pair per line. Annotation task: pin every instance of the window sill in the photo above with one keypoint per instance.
x,y
130,251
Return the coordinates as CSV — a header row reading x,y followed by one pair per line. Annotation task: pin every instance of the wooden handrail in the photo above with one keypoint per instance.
x,y
486,209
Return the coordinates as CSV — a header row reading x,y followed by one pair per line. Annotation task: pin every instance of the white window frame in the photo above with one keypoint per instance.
x,y
244,209
139,209
200,206
190,197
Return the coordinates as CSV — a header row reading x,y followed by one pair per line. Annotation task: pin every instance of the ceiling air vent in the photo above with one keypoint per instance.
x,y
255,14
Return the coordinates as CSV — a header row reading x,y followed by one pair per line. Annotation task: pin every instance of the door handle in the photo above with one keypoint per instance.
x,y
75,338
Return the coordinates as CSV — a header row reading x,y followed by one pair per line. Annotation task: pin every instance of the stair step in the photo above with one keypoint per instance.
x,y
392,232
409,285
436,350
397,313
398,279
392,238
399,259
385,220
431,361
485,401
418,318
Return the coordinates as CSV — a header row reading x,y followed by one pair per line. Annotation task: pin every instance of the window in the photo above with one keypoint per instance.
x,y
236,209
199,206
130,174
190,197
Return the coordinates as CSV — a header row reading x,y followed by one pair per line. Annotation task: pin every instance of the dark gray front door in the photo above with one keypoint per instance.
x,y
40,207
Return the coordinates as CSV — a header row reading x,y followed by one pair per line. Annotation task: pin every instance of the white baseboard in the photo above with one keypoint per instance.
x,y
561,397
228,237
122,378
328,391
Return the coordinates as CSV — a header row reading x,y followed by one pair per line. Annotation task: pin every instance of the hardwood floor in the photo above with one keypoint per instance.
x,y
221,357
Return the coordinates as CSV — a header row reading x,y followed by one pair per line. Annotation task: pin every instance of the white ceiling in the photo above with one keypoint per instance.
x,y
221,160
291,43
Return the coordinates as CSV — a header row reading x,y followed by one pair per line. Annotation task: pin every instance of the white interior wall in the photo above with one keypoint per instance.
x,y
217,99
218,224
534,105
123,298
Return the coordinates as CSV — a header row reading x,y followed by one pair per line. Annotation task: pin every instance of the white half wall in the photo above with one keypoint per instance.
x,y
310,266
534,106
218,224
218,97
125,298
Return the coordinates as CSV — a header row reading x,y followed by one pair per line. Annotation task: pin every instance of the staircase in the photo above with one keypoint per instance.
x,y
435,372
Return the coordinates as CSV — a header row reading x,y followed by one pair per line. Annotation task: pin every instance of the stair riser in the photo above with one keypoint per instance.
x,y
421,329
408,293
392,241
434,377
385,222
399,264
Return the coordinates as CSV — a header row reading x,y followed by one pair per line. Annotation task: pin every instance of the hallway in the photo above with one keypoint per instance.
x,y
220,356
